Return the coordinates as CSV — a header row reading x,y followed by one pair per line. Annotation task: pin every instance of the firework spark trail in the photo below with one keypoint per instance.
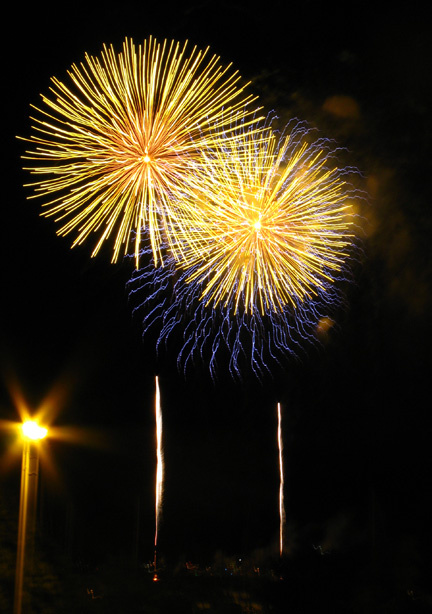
x,y
112,148
281,481
255,301
159,465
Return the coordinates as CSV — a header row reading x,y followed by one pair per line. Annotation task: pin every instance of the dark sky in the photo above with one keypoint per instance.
x,y
356,415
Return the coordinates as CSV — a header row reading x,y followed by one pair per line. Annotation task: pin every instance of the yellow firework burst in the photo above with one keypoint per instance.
x,y
271,225
112,148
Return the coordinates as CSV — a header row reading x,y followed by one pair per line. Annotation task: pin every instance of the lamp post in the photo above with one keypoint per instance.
x,y
32,433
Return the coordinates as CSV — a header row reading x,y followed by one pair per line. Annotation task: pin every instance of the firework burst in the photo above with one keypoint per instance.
x,y
111,149
274,227
271,224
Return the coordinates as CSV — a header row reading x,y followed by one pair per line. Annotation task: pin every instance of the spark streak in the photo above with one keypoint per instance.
x,y
159,464
281,481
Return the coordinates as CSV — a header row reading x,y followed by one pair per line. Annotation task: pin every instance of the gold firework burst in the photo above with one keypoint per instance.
x,y
271,225
112,148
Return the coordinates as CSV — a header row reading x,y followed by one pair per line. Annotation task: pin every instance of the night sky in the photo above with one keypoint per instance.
x,y
356,413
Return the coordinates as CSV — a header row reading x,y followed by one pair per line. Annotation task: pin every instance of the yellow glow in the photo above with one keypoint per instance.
x,y
257,225
324,325
32,430
94,139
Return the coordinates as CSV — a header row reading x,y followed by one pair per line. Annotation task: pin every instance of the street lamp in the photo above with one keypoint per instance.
x,y
31,433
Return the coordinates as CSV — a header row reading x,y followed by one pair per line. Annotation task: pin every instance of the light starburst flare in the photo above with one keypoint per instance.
x,y
111,147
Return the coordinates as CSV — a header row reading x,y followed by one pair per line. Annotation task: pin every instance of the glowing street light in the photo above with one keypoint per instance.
x,y
32,433
32,430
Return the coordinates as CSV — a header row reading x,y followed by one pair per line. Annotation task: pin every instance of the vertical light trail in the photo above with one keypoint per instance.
x,y
159,464
281,481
